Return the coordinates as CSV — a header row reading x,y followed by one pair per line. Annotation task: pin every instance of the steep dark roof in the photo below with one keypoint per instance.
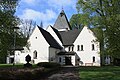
x,y
48,37
68,37
57,32
62,22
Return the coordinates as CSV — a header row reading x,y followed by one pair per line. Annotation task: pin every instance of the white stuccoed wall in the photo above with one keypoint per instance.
x,y
40,45
20,57
86,38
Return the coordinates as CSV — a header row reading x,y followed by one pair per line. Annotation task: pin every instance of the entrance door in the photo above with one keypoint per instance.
x,y
11,60
68,61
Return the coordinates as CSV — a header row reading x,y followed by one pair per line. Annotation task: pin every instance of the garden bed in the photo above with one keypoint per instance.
x,y
9,72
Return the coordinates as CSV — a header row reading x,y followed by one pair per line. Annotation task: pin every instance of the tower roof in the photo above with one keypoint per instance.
x,y
62,22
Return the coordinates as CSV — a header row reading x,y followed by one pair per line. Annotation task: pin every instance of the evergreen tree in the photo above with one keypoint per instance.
x,y
7,22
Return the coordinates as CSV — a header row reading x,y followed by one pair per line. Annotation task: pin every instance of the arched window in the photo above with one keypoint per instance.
x,y
35,54
78,48
93,47
81,47
93,59
69,48
72,48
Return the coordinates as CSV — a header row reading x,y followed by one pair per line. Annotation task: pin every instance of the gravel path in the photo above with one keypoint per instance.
x,y
65,73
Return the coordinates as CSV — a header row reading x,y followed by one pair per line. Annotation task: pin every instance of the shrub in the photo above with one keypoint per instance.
x,y
49,64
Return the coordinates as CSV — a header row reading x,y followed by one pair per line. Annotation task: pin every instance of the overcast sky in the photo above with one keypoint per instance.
x,y
45,10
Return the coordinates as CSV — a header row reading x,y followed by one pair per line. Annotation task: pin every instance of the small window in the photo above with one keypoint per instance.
x,y
81,47
93,59
35,54
78,48
93,47
69,48
72,48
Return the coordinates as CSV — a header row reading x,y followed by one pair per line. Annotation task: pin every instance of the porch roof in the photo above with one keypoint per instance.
x,y
66,53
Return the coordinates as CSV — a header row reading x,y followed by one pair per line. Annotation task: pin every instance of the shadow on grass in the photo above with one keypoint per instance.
x,y
99,73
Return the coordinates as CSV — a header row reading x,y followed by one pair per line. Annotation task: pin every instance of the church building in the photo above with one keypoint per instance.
x,y
59,43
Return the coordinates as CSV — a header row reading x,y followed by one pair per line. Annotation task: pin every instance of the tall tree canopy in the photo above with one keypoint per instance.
x,y
7,23
104,14
79,20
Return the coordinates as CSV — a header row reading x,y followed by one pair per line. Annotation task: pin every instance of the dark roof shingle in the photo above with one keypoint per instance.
x,y
48,37
58,34
68,37
62,22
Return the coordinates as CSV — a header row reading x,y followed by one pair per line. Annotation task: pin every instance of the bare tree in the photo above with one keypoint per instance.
x,y
27,27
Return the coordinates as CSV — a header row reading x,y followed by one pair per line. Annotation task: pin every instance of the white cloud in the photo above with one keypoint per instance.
x,y
37,16
44,10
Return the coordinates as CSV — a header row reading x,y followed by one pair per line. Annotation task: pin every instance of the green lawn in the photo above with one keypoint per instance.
x,y
100,73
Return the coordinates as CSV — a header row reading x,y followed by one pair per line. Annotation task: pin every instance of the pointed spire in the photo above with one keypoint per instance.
x,y
62,22
62,12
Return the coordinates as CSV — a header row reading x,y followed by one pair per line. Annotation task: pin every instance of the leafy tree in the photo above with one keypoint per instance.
x,y
7,22
105,14
79,20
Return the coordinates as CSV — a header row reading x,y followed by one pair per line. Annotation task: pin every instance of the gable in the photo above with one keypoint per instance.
x,y
37,40
85,36
49,38
55,34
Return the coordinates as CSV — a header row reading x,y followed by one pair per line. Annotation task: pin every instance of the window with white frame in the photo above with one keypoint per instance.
x,y
35,54
70,48
78,47
93,59
93,47
81,47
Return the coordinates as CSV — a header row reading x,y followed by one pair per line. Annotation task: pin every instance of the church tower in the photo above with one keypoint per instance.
x,y
62,23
